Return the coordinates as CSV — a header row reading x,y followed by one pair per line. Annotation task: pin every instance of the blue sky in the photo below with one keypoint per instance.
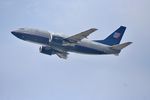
x,y
25,74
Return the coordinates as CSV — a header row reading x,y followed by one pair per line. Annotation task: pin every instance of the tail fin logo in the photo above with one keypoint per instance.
x,y
116,35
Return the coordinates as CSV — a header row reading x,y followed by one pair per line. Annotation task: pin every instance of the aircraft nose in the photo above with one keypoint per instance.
x,y
13,32
16,33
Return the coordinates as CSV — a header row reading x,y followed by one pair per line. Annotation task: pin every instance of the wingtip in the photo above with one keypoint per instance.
x,y
95,29
123,26
130,42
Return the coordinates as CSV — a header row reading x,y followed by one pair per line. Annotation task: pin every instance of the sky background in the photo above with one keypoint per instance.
x,y
26,74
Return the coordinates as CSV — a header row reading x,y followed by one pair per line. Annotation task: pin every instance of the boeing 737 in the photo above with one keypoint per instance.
x,y
60,44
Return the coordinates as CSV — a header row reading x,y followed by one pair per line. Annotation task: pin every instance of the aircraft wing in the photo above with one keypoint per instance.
x,y
62,55
78,37
60,52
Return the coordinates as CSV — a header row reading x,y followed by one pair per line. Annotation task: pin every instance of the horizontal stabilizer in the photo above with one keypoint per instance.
x,y
120,46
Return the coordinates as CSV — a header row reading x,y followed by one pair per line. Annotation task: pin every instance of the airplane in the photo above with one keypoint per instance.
x,y
60,44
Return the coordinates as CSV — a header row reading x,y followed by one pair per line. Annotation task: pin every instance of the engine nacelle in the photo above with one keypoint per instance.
x,y
46,50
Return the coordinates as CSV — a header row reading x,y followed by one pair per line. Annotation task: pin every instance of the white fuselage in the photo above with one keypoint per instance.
x,y
54,41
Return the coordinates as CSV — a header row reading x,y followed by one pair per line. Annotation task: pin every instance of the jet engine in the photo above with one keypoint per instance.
x,y
46,50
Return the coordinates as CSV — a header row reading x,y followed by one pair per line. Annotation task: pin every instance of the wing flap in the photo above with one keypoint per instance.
x,y
62,55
